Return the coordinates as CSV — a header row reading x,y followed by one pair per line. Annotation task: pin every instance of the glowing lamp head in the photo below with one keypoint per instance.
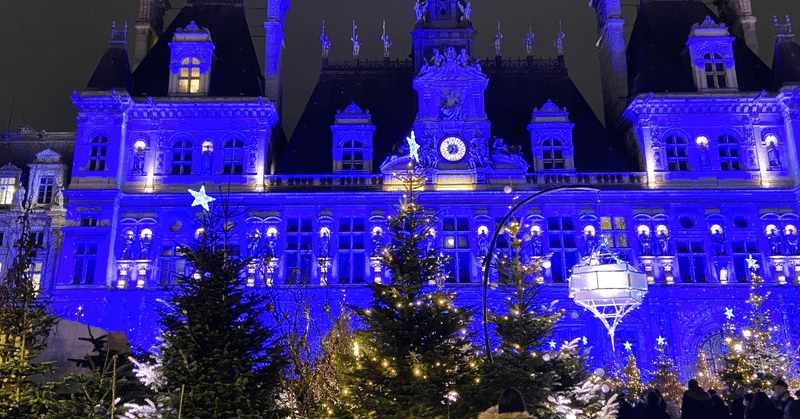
x,y
547,264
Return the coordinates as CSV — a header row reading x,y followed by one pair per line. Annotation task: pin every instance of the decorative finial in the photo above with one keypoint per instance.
x,y
529,40
326,44
118,36
466,11
418,12
497,39
386,42
356,44
559,43
783,28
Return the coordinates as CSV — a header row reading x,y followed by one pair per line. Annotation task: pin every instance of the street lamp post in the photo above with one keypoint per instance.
x,y
487,260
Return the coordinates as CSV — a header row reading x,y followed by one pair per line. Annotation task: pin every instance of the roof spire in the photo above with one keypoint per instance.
x,y
118,36
783,29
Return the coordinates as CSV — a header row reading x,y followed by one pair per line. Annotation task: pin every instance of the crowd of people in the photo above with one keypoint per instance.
x,y
700,404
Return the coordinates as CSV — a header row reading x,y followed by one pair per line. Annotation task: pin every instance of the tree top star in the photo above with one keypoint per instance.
x,y
200,198
413,147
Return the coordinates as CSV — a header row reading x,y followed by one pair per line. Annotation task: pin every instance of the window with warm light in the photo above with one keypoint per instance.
x,y
729,154
7,189
189,76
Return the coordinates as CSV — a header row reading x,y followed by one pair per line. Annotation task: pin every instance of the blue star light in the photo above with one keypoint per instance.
x,y
552,344
661,341
627,346
728,313
584,340
413,147
752,264
200,198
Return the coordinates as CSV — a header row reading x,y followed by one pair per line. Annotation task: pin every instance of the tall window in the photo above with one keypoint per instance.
x,y
456,248
299,254
45,193
741,250
37,238
561,236
729,155
716,73
172,268
233,157
182,157
189,76
353,156
614,230
552,154
352,259
7,190
692,261
97,153
35,275
677,158
84,261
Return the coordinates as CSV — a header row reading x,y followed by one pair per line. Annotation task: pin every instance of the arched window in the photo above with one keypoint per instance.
x,y
552,154
97,154
677,158
716,73
182,157
189,76
233,157
729,155
353,156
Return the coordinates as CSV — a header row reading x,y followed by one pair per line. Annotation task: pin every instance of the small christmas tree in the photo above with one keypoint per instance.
x,y
523,359
217,357
25,323
414,347
754,358
706,377
631,379
665,376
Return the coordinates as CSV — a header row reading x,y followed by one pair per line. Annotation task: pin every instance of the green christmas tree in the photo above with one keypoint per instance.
x,y
754,358
414,346
217,358
630,381
665,376
706,377
25,324
523,359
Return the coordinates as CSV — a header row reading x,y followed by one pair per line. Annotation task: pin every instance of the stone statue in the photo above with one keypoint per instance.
x,y
205,162
497,39
160,163
430,243
325,245
483,243
536,243
437,58
590,242
19,198
751,154
463,58
774,239
450,109
466,11
326,44
718,240
792,248
356,43
386,42
663,243
58,197
127,246
272,246
773,154
478,155
377,244
305,274
418,12
144,247
529,41
645,246
559,42
705,159
138,162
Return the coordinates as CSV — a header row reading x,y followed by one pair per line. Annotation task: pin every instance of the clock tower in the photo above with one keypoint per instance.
x,y
441,24
451,127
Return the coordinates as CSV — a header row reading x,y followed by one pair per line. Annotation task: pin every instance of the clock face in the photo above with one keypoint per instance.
x,y
453,149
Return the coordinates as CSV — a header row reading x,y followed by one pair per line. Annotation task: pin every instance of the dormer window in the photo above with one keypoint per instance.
x,y
711,52
552,155
45,193
551,138
352,140
190,62
716,74
97,153
189,76
353,156
7,189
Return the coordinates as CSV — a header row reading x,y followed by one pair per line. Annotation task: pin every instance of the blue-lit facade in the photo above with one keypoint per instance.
x,y
695,173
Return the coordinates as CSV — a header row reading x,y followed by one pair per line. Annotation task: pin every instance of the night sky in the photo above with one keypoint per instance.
x,y
49,51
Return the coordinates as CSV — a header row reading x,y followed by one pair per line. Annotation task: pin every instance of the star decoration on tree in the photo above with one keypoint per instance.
x,y
200,198
752,264
729,313
661,341
627,346
413,147
584,340
552,344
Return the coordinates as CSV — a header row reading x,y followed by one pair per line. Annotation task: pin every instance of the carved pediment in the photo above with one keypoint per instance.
x,y
451,67
48,156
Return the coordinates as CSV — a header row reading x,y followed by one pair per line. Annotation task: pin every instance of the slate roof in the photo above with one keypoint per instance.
x,y
785,63
113,71
236,70
515,88
658,59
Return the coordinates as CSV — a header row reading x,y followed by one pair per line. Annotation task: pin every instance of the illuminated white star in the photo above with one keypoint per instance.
x,y
752,264
552,344
728,313
661,341
584,340
627,345
413,147
200,198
